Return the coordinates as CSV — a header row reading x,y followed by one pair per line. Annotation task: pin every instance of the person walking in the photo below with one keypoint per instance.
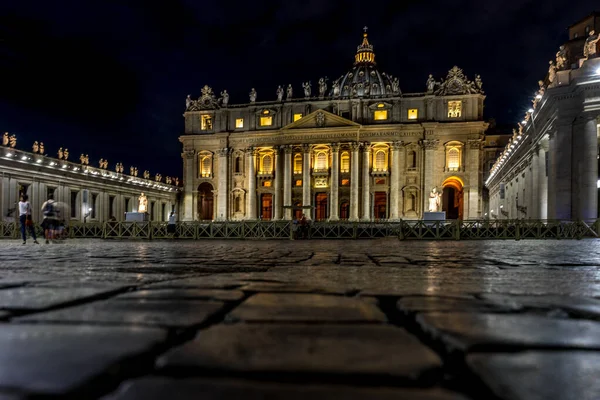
x,y
172,225
50,221
26,220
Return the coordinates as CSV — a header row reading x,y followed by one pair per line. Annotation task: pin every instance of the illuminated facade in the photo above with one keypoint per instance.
x,y
357,149
549,169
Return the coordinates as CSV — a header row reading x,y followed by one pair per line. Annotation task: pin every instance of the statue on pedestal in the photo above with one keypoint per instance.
x,y
551,71
143,204
336,88
35,147
430,84
188,101
479,83
396,86
589,48
13,141
42,148
146,174
307,88
253,95
561,58
434,200
158,177
176,181
290,92
5,139
224,98
322,87
168,180
60,153
66,154
279,93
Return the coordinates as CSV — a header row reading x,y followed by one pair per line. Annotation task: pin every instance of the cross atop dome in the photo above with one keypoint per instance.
x,y
364,52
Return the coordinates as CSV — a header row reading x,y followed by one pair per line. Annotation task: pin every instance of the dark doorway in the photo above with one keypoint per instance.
x,y
380,204
205,201
266,206
298,210
344,210
450,203
321,201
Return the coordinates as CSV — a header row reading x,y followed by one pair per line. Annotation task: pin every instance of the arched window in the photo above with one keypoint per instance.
x,y
321,161
206,166
453,156
267,164
380,161
412,159
345,162
298,163
238,165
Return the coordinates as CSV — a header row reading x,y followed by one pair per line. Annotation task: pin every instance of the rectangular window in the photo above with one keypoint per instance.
x,y
298,182
73,204
239,122
163,208
345,182
266,121
298,164
297,117
206,122
50,192
454,109
380,181
380,115
266,184
127,205
111,206
413,113
93,205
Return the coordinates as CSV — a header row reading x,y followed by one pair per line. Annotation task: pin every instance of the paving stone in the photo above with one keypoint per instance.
x,y
39,298
578,305
279,307
53,359
468,331
540,375
414,304
168,313
183,294
158,388
370,350
275,287
216,281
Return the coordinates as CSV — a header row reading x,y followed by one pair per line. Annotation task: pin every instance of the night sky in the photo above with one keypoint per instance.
x,y
109,78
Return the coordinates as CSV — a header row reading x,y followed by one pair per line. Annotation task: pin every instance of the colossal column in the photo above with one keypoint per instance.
x,y
533,208
543,180
354,182
278,179
395,180
287,183
335,180
189,168
306,181
251,198
366,192
474,174
222,188
429,146
586,163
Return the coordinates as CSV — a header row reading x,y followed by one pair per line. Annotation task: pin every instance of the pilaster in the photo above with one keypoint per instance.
x,y
335,180
354,182
306,186
366,186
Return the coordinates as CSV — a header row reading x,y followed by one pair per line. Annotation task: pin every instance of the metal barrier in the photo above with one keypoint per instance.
x,y
403,230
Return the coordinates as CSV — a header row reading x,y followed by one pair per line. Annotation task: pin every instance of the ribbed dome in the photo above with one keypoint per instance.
x,y
364,80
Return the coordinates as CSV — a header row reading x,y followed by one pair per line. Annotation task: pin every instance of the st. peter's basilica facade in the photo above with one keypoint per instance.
x,y
353,149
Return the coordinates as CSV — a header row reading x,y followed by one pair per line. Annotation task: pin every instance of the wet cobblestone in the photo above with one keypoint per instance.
x,y
123,320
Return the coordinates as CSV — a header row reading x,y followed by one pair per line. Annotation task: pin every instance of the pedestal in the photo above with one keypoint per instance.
x,y
434,216
136,217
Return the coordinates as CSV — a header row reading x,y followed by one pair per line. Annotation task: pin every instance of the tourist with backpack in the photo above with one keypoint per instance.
x,y
50,221
26,219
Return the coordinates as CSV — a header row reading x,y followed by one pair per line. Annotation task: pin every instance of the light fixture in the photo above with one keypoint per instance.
x,y
530,110
538,96
64,166
501,206
8,155
38,161
598,71
24,158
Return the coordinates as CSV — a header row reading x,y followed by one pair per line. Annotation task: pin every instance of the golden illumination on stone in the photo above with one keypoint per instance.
x,y
454,109
239,122
266,121
205,166
206,122
364,52
298,182
345,182
297,117
345,162
267,183
380,105
413,113
266,112
380,115
453,155
298,163
266,164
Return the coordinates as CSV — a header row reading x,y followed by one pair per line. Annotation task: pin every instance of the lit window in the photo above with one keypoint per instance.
x,y
206,123
380,115
380,105
266,112
380,181
298,163
205,166
345,182
297,117
266,121
345,162
299,182
267,184
454,109
380,161
412,159
413,113
239,122
267,165
321,161
453,159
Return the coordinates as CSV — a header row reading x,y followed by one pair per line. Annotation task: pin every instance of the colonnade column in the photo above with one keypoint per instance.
x,y
395,180
189,156
287,183
251,197
586,200
543,181
306,203
278,179
366,209
533,209
335,180
222,188
354,182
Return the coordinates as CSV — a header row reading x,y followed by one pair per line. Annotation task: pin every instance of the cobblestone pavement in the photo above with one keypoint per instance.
x,y
372,319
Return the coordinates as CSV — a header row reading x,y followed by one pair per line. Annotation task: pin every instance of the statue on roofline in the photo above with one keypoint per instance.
x,y
279,93
561,58
290,92
253,95
224,98
430,84
35,147
307,89
5,139
143,203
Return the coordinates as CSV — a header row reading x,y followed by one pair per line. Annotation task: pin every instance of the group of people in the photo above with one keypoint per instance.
x,y
50,224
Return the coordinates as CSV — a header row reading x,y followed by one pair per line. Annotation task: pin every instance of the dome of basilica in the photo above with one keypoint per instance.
x,y
364,79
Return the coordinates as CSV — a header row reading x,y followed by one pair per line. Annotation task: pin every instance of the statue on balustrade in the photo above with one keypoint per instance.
x,y
290,92
279,93
430,84
253,95
589,49
5,139
561,58
66,154
307,88
224,98
36,147
60,153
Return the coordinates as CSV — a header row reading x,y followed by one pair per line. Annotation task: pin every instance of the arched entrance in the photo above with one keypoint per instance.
x,y
452,198
205,201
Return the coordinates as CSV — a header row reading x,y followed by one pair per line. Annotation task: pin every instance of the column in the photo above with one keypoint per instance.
x,y
354,182
251,197
474,173
278,178
543,181
287,183
306,203
429,146
335,181
533,208
366,190
222,188
395,181
586,197
189,168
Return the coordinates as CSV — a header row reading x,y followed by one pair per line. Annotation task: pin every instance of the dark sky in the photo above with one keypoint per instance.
x,y
110,78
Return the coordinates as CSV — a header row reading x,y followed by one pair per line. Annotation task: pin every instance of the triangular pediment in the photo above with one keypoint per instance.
x,y
321,119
